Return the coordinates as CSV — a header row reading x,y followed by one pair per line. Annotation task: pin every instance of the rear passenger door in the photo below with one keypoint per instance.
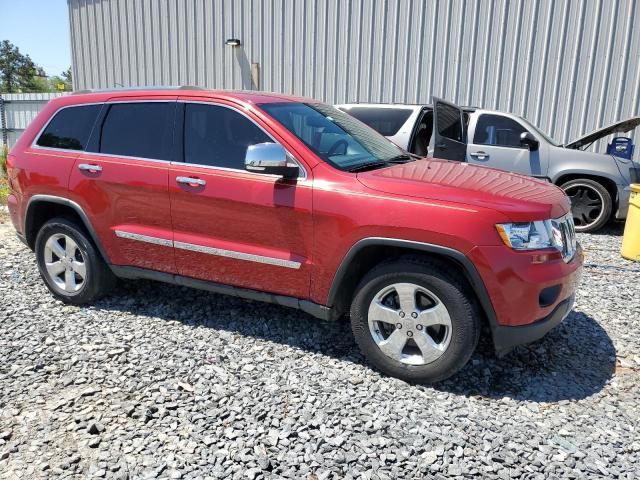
x,y
121,181
449,136
232,226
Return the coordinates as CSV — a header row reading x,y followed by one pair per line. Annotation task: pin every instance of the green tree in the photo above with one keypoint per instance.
x,y
68,78
62,82
18,73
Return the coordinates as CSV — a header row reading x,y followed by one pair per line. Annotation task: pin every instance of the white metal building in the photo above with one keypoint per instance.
x,y
568,66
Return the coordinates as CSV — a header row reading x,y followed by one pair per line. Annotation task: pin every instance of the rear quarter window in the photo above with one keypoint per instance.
x,y
386,121
70,128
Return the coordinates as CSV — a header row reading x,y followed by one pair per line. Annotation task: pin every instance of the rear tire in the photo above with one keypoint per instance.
x,y
591,204
430,341
70,265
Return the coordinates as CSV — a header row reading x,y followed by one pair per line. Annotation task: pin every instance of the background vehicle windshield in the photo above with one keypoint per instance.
x,y
333,135
539,132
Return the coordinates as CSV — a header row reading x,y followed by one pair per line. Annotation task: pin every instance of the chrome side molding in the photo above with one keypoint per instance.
x,y
218,252
144,238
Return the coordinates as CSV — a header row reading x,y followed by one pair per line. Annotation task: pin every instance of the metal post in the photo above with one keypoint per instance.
x,y
3,122
255,75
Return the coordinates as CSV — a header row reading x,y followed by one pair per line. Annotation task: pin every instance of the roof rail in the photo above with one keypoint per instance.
x,y
148,87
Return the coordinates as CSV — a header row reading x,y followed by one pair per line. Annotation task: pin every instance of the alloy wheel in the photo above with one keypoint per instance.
x,y
64,263
409,324
587,205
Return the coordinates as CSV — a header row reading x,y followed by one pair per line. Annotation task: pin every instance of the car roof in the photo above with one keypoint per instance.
x,y
399,105
240,96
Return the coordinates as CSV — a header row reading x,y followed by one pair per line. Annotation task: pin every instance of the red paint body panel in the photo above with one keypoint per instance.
x,y
41,172
314,221
514,282
520,198
246,213
130,195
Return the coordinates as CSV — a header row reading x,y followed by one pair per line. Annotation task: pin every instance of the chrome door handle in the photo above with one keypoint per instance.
x,y
87,167
191,181
479,155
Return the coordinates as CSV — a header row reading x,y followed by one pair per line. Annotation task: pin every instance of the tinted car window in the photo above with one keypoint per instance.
x,y
218,136
449,122
498,130
386,121
138,130
70,128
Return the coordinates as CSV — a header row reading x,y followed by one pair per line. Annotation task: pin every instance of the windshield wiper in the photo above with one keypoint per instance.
x,y
402,158
368,166
398,159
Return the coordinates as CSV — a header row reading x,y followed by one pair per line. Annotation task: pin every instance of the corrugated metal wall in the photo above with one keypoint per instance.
x,y
19,110
568,66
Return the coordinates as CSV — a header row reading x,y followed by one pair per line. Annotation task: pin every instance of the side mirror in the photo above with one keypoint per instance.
x,y
270,159
529,141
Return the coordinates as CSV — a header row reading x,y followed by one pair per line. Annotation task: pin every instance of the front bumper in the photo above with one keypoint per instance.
x,y
624,192
506,338
528,296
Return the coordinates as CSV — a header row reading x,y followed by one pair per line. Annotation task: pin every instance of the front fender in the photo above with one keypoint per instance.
x,y
564,162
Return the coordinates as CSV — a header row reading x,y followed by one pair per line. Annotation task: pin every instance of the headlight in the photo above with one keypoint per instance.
x,y
531,235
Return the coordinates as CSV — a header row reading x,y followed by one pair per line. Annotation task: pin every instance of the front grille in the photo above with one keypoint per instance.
x,y
568,231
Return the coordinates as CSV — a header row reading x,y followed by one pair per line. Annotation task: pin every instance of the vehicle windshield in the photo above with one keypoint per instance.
x,y
539,132
335,136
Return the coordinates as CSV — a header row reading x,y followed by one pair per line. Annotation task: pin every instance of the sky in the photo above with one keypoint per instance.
x,y
40,29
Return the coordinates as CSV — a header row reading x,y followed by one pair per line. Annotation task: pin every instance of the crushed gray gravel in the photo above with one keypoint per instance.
x,y
159,381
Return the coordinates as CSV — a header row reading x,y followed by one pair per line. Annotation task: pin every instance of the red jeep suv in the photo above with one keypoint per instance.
x,y
287,200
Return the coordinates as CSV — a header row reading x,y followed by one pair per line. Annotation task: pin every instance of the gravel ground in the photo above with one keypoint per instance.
x,y
162,381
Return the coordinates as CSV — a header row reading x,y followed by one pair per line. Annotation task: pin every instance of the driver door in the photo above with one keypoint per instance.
x,y
231,226
449,136
495,142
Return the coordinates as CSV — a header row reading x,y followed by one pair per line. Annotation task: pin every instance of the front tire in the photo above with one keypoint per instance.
x,y
414,320
69,264
591,204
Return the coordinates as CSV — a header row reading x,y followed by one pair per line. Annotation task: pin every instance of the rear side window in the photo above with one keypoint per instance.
x,y
386,121
449,122
138,130
70,128
218,136
498,130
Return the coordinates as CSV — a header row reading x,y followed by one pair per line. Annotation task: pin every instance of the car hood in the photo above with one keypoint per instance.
x,y
620,126
518,197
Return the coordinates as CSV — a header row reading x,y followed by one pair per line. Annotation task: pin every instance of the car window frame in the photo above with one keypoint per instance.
x,y
34,143
475,129
179,144
93,142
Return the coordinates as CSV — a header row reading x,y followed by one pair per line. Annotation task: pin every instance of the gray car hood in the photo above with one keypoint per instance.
x,y
621,126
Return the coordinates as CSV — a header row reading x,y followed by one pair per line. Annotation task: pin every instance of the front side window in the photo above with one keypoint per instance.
x,y
386,121
498,130
138,129
218,136
70,128
333,135
550,140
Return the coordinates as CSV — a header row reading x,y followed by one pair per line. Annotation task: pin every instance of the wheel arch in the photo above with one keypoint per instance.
x,y
368,252
608,183
44,207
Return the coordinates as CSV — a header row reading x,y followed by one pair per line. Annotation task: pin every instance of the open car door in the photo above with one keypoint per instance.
x,y
449,136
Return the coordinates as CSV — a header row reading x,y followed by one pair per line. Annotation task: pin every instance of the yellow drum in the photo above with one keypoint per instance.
x,y
631,237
